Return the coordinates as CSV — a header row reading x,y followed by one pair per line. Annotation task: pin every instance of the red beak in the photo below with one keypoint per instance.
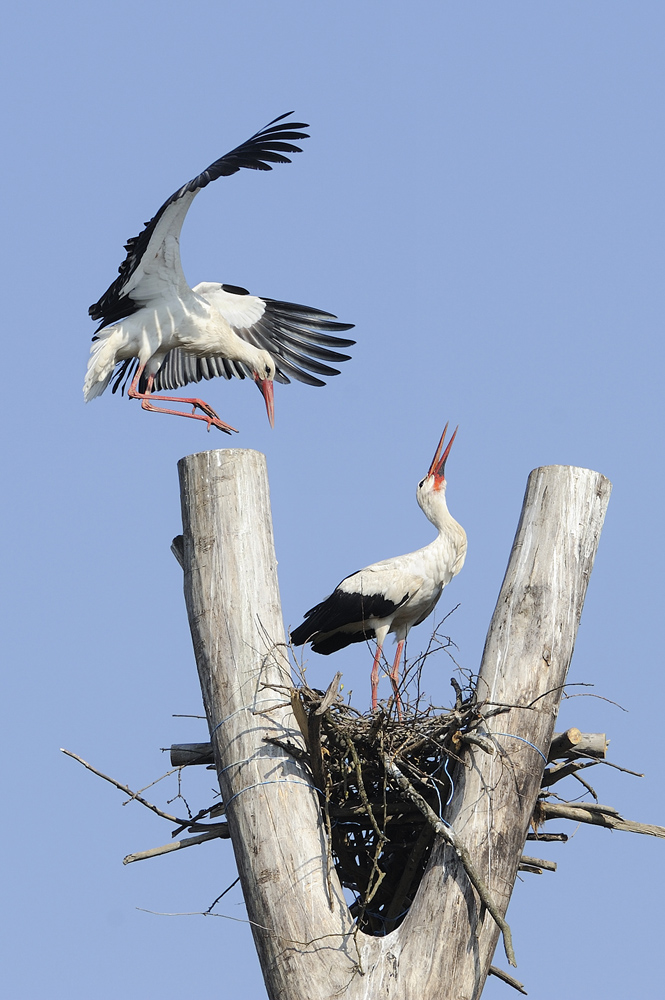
x,y
438,465
267,391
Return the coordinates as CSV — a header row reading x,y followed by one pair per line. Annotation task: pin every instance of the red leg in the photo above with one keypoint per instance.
x,y
394,677
375,677
210,418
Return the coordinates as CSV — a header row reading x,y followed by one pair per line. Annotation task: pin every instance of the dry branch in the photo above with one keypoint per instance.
x,y
219,830
444,831
590,812
553,774
549,866
127,790
510,980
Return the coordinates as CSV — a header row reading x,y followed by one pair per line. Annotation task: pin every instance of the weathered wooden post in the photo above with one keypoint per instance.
x,y
234,612
305,936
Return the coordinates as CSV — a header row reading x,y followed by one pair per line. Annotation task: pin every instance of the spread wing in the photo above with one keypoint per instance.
x,y
298,337
152,264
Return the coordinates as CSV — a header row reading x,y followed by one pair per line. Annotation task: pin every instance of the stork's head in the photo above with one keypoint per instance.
x,y
434,482
263,370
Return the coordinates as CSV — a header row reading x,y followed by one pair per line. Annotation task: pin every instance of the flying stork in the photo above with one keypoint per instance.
x,y
163,334
395,594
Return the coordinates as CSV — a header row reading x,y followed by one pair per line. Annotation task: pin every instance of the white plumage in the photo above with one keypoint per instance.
x,y
395,594
163,334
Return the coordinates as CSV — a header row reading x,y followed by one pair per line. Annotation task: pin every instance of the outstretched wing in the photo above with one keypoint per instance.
x,y
153,260
298,337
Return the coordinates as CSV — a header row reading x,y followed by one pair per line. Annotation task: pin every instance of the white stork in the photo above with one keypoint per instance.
x,y
164,334
395,594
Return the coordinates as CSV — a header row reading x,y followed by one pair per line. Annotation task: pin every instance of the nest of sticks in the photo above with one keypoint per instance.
x,y
379,837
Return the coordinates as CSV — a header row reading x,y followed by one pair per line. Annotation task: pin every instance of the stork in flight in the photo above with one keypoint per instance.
x,y
395,594
163,334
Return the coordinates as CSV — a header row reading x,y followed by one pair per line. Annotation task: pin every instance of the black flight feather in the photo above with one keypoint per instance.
x,y
257,153
340,613
285,341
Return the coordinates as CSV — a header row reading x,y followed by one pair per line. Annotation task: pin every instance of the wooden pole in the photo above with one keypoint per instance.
x,y
273,813
527,653
303,931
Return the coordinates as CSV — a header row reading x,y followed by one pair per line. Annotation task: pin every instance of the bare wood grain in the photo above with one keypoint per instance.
x,y
232,597
573,743
444,947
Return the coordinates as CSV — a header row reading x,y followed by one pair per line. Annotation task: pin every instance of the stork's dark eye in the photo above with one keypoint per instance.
x,y
267,371
421,483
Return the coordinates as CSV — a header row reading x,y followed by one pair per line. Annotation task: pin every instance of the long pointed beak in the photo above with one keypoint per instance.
x,y
438,465
267,391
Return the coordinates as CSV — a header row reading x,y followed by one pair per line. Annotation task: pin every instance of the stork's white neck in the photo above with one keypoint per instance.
x,y
451,535
433,505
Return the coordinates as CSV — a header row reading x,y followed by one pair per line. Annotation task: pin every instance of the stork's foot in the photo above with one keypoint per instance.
x,y
209,416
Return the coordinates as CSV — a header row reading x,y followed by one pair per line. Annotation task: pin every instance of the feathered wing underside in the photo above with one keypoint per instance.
x,y
136,283
299,338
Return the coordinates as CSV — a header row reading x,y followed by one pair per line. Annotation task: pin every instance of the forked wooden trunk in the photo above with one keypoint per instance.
x,y
305,936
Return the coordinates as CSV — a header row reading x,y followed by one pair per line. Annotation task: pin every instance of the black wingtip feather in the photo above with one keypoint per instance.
x,y
263,148
341,619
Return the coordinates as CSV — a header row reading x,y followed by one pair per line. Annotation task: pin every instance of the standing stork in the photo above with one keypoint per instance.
x,y
163,334
395,594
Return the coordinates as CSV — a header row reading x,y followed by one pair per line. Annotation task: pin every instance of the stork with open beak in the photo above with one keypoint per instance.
x,y
395,594
163,334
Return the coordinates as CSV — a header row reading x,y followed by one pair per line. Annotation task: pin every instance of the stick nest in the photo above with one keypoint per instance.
x,y
379,842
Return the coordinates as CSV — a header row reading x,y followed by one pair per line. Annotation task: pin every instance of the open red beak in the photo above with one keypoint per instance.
x,y
438,465
267,391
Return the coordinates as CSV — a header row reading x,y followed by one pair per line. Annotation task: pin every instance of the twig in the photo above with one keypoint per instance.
x,y
127,790
219,830
553,774
361,789
600,697
559,687
447,834
625,770
221,895
589,788
193,822
515,983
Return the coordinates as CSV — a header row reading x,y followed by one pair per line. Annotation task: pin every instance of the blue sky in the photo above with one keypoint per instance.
x,y
482,196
